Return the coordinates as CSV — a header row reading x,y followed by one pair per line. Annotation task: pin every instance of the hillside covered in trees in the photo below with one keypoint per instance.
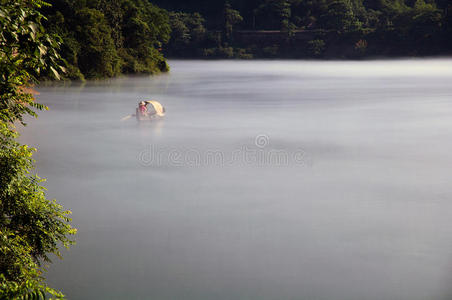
x,y
310,28
104,38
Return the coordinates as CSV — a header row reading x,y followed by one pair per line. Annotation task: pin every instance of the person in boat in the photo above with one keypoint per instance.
x,y
142,109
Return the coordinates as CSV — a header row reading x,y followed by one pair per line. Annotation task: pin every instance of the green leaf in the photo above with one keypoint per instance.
x,y
55,73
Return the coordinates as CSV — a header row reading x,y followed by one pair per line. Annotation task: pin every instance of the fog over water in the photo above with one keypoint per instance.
x,y
265,180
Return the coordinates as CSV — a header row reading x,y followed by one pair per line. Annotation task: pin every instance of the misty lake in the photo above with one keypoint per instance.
x,y
265,180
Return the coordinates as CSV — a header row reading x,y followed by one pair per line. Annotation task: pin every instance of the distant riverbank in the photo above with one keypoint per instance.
x,y
311,44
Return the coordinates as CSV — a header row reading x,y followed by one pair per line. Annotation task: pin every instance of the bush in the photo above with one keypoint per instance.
x,y
316,48
271,51
32,228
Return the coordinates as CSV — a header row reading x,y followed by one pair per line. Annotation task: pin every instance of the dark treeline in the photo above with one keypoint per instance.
x,y
103,38
309,28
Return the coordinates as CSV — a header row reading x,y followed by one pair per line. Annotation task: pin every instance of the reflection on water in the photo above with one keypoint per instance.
x,y
334,181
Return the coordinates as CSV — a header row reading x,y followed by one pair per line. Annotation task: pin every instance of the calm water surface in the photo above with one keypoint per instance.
x,y
266,180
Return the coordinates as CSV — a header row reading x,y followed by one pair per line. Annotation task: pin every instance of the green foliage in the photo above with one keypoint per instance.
x,y
220,52
103,38
340,16
273,14
31,227
189,37
146,28
187,34
271,51
114,14
227,52
231,18
426,22
97,56
241,53
24,45
391,27
316,48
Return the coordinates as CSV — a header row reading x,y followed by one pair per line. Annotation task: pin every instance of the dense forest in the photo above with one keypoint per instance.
x,y
104,38
309,28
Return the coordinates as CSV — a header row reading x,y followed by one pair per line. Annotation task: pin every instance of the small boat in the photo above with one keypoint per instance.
x,y
149,116
154,110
